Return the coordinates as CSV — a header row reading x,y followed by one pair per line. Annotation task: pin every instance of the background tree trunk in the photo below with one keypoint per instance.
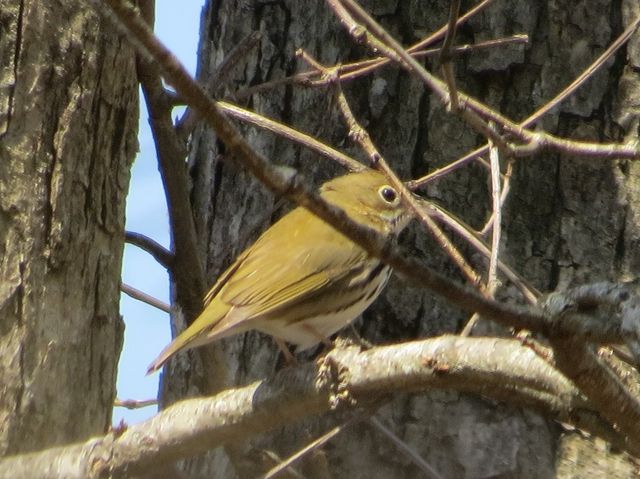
x,y
567,221
68,125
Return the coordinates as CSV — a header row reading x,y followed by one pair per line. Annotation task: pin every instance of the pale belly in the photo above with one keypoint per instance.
x,y
311,331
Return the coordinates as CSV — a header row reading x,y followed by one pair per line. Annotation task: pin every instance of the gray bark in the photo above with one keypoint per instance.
x,y
567,221
68,123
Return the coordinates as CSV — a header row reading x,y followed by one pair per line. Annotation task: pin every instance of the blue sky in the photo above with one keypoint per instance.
x,y
147,329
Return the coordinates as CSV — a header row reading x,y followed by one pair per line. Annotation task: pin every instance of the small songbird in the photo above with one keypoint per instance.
x,y
302,280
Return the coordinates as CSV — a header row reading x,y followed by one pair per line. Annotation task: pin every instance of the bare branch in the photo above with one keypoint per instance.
x,y
135,403
380,40
445,54
492,278
290,134
355,70
472,110
500,368
588,72
529,292
351,71
602,302
187,270
155,249
313,445
492,274
406,450
600,384
145,298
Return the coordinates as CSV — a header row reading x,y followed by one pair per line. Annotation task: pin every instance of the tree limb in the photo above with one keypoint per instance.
x,y
346,378
187,274
160,253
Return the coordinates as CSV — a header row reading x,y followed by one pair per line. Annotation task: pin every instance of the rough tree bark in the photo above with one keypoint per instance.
x,y
567,221
68,125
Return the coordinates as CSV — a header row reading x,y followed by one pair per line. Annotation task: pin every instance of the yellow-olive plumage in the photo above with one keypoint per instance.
x,y
302,280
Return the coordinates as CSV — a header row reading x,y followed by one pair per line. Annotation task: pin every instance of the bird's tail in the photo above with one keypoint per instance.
x,y
189,338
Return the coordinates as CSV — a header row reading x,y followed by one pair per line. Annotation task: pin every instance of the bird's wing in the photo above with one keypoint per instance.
x,y
279,270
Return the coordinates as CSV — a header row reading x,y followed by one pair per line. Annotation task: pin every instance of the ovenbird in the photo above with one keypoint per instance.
x,y
302,280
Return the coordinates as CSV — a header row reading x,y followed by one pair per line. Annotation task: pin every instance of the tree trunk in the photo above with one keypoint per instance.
x,y
567,220
68,125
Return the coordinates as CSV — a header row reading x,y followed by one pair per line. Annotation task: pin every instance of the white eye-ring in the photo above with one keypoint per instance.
x,y
388,194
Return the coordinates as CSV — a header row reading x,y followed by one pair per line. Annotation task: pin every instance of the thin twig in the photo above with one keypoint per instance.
x,y
586,74
473,111
135,403
356,70
313,445
530,293
573,86
291,134
447,44
506,187
405,449
292,472
445,54
350,71
145,298
492,276
494,156
380,40
445,170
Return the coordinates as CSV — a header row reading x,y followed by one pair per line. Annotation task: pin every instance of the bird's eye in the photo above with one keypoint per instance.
x,y
388,194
